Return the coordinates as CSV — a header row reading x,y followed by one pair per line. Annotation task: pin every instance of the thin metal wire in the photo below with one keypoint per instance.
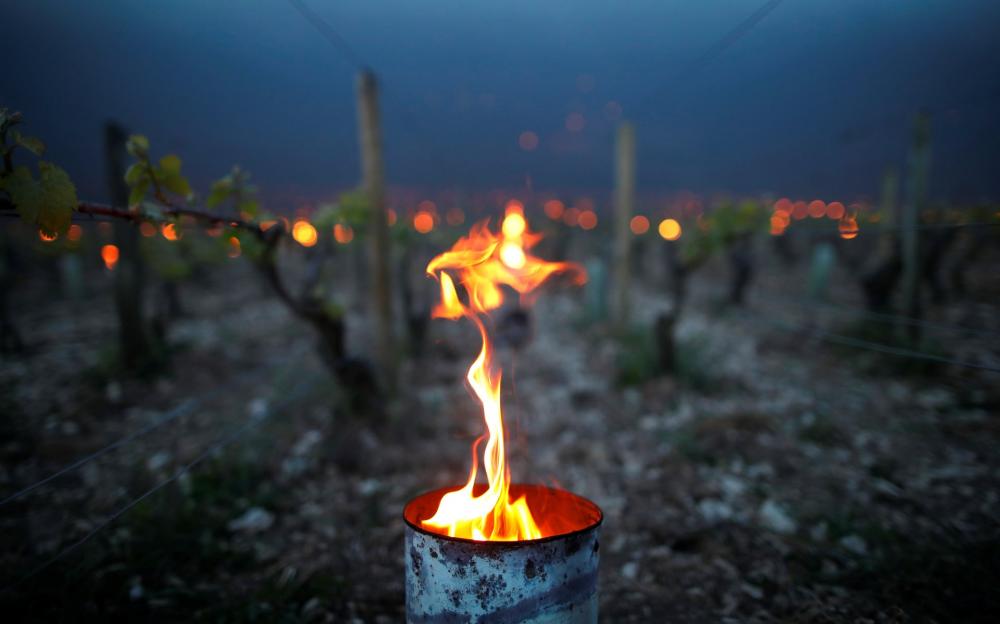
x,y
170,416
713,52
330,34
208,452
890,318
867,345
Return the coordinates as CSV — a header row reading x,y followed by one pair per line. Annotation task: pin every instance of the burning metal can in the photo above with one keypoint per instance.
x,y
551,579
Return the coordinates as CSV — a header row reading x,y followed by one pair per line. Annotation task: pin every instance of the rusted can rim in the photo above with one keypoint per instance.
x,y
505,544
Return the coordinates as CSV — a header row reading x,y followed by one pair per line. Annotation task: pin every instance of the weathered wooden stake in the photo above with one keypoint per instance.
x,y
919,164
129,274
623,209
373,176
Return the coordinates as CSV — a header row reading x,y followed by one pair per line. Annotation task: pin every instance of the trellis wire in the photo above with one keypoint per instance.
x,y
867,345
205,454
173,414
891,318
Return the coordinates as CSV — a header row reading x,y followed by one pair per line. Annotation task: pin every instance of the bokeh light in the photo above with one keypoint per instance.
x,y
554,209
169,231
423,222
47,238
343,233
588,219
800,210
817,209
235,249
835,210
514,224
304,233
670,229
74,233
639,225
109,254
571,216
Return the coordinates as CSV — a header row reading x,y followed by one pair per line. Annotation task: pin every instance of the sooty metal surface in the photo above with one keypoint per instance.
x,y
550,580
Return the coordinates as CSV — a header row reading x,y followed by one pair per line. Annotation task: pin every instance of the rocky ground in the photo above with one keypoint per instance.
x,y
779,478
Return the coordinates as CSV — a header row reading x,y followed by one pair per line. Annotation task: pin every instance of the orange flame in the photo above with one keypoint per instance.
x,y
484,261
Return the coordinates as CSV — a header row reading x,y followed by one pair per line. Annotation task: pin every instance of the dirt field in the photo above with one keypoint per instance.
x,y
778,479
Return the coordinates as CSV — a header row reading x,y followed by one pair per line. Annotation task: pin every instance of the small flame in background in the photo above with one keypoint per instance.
x,y
484,261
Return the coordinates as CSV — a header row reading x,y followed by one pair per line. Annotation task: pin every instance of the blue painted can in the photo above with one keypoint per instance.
x,y
549,580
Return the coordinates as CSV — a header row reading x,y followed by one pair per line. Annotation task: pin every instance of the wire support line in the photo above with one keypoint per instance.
x,y
868,345
181,410
890,318
714,51
329,33
213,448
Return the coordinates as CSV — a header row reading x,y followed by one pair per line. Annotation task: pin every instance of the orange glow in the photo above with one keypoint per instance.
x,y
528,141
304,233
783,205
455,216
147,229
816,209
572,216
835,210
268,224
779,223
427,206
514,224
74,233
235,249
588,219
575,122
554,209
216,231
481,264
169,232
848,227
670,229
109,253
800,210
639,225
390,216
423,222
47,238
343,234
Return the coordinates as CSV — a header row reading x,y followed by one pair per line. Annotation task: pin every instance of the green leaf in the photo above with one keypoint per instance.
x,y
219,193
25,192
176,183
32,144
249,207
138,146
171,164
170,178
136,173
60,199
48,202
138,191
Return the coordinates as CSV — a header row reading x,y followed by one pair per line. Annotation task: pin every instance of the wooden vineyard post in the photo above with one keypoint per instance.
x,y
919,164
129,274
373,177
623,209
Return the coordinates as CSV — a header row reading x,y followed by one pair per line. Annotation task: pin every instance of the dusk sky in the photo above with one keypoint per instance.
x,y
814,101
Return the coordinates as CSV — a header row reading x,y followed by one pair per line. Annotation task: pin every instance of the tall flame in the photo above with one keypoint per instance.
x,y
483,262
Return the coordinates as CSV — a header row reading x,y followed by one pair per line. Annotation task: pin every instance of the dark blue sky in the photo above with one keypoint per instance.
x,y
253,83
